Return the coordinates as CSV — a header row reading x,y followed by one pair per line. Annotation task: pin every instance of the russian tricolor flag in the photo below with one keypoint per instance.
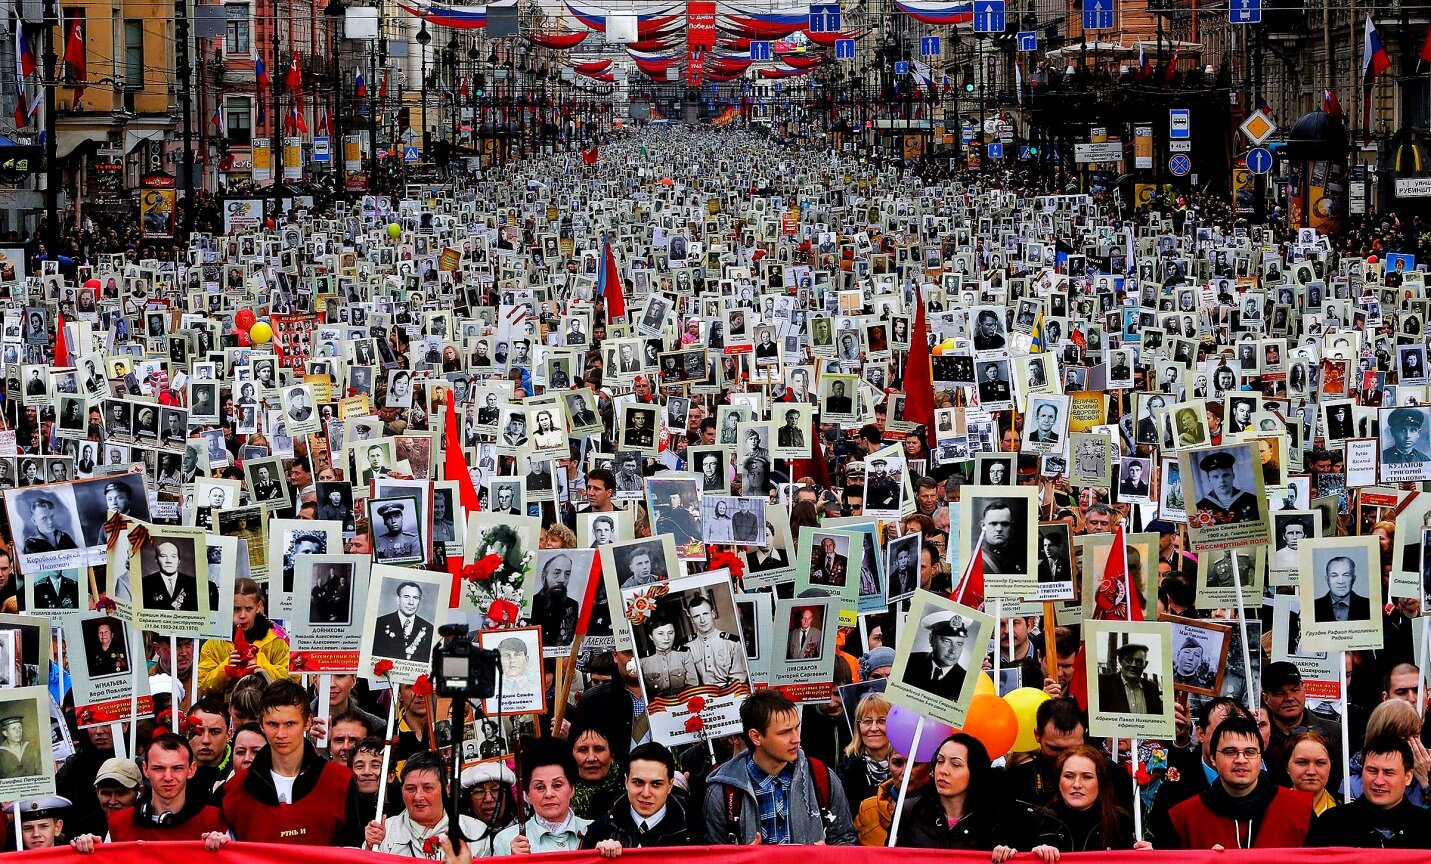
x,y
360,87
260,72
1374,59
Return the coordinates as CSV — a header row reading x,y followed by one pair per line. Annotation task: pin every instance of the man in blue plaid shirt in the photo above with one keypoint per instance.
x,y
769,793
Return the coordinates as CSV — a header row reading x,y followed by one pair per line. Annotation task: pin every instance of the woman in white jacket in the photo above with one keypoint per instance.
x,y
416,831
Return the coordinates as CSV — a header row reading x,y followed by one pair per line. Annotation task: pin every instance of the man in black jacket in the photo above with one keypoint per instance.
x,y
1381,818
649,815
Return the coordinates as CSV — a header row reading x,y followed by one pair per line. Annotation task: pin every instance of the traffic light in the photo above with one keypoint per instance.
x,y
968,77
479,83
404,118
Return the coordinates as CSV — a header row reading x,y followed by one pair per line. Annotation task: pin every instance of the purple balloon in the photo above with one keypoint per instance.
x,y
900,728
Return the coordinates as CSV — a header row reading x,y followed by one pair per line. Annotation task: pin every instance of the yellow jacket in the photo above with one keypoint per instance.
x,y
875,815
271,662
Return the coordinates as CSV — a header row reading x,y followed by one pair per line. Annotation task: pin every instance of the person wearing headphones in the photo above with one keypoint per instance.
x,y
167,812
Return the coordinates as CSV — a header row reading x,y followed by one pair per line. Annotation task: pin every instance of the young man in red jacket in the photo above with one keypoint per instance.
x,y
168,812
1242,809
290,794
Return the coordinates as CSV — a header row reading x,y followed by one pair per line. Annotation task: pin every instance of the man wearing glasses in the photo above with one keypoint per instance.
x,y
1242,808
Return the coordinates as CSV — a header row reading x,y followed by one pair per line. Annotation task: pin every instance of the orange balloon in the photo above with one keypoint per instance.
x,y
993,722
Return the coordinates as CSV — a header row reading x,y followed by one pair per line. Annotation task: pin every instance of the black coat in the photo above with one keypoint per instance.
x,y
923,827
1356,825
620,825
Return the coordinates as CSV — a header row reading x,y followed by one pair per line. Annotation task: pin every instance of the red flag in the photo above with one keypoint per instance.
x,y
383,86
813,467
74,56
1078,685
1172,68
294,80
62,345
1117,597
590,155
918,377
455,465
608,284
970,590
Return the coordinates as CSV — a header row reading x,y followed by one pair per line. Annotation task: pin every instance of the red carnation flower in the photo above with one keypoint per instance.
x,y
382,667
696,704
503,612
694,723
422,687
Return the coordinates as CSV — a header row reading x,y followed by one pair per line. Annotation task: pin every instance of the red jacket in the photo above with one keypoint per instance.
x,y
324,811
196,819
1284,823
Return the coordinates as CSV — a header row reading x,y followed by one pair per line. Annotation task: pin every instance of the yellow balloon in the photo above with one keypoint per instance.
x,y
983,684
260,333
1025,702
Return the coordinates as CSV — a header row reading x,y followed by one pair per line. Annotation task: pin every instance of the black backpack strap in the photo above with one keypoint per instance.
x,y
732,813
820,775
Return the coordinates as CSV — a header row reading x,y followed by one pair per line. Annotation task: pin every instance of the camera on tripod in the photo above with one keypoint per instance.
x,y
461,670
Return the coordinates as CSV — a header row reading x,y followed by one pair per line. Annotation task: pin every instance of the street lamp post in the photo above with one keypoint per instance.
x,y
275,124
52,128
335,11
423,39
183,70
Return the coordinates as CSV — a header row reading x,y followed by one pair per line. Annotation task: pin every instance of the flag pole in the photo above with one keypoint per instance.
x,y
1242,624
904,784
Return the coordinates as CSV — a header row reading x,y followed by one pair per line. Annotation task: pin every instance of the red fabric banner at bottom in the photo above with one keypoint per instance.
x,y
259,853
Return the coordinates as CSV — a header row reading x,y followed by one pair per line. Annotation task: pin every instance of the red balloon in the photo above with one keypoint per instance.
x,y
243,339
993,722
1371,259
92,284
243,319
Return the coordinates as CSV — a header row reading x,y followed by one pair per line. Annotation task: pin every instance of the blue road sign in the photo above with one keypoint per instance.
x,y
1245,11
825,18
760,51
996,150
901,67
929,46
1259,160
989,16
844,49
1028,41
1098,14
410,153
1179,124
1180,165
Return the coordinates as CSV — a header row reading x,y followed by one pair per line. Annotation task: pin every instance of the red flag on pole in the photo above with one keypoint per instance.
x,y
74,56
608,284
918,376
294,81
454,466
1116,599
1426,46
62,346
970,590
590,155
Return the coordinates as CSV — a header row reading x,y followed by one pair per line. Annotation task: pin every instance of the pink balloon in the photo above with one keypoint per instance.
x,y
900,728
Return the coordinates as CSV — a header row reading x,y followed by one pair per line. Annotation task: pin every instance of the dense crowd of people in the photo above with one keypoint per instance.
x,y
247,746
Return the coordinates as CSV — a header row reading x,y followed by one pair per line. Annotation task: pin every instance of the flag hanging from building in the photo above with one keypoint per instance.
x,y
26,102
1330,103
74,56
360,87
260,72
294,80
1374,61
218,121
